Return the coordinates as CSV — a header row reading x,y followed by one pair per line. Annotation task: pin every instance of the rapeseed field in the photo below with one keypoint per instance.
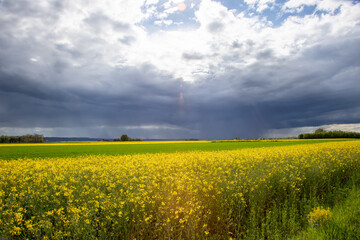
x,y
74,149
261,193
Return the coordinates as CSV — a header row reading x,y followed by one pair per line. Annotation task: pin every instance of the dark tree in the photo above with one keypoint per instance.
x,y
5,139
28,138
330,134
125,137
319,130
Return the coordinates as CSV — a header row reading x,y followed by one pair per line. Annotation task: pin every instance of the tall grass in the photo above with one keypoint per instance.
x,y
344,224
264,193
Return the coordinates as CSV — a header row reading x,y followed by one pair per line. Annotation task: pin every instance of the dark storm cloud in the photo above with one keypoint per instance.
x,y
318,87
50,84
115,103
21,86
40,87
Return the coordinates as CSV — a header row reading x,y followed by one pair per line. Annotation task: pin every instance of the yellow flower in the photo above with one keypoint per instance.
x,y
319,216
177,193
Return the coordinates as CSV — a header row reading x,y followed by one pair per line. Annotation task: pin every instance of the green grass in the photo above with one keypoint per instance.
x,y
344,225
68,150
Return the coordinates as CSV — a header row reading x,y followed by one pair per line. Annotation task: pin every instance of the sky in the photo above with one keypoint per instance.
x,y
174,69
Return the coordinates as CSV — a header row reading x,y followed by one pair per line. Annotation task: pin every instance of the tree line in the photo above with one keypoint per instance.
x,y
321,133
125,137
28,138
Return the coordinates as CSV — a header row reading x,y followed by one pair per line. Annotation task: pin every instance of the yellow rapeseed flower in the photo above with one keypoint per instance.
x,y
318,216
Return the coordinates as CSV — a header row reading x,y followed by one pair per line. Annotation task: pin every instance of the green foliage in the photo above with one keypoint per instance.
x,y
125,138
329,134
29,138
15,139
345,223
4,139
319,130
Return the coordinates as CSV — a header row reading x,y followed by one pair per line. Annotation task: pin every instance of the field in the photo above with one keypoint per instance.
x,y
66,149
243,190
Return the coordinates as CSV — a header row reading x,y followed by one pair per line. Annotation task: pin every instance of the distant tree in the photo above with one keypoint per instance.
x,y
125,137
135,139
39,138
329,134
28,138
319,130
14,139
5,139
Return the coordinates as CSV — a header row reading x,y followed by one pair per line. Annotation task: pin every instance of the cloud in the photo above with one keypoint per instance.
x,y
294,132
127,40
113,102
260,5
98,21
163,22
192,56
101,69
215,27
294,5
